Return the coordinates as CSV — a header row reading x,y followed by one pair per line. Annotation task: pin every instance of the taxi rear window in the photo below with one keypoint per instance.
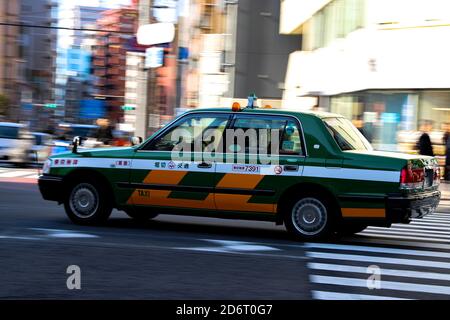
x,y
346,135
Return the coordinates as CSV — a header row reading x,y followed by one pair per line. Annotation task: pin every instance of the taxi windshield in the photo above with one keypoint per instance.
x,y
346,135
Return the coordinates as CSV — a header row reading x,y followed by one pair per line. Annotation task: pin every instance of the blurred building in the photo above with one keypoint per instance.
x,y
109,57
11,64
74,79
38,51
236,49
385,62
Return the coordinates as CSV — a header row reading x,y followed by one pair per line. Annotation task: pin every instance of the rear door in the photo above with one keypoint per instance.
x,y
264,155
170,170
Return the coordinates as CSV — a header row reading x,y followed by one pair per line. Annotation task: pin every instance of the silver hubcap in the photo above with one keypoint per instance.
x,y
84,200
309,216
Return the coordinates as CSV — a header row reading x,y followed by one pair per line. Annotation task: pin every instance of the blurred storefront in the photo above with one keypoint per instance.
x,y
383,64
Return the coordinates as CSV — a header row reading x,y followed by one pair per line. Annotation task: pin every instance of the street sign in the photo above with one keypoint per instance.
x,y
128,108
154,57
51,105
156,33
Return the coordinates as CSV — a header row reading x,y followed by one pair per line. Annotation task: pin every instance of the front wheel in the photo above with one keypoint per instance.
x,y
87,203
309,218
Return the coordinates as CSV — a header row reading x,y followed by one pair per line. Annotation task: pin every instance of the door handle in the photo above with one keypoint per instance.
x,y
290,168
204,165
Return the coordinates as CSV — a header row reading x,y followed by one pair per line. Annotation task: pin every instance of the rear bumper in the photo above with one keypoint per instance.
x,y
403,209
51,187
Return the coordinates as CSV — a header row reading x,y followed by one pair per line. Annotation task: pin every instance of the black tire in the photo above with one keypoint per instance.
x,y
88,202
350,228
310,217
141,214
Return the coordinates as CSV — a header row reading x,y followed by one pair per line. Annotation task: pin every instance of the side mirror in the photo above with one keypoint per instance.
x,y
75,143
136,141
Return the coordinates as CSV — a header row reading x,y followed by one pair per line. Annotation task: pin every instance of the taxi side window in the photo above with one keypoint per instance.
x,y
291,143
265,135
208,130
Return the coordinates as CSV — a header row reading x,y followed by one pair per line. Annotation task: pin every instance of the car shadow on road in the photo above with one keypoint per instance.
x,y
212,228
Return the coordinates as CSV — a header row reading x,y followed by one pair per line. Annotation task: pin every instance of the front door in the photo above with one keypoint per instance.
x,y
169,170
264,155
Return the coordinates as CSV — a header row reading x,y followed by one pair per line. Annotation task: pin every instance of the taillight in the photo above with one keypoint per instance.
x,y
412,178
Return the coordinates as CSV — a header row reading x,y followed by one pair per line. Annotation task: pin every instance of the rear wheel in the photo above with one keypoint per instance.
x,y
141,214
310,217
87,202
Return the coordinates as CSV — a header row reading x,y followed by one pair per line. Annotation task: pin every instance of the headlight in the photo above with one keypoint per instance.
x,y
47,166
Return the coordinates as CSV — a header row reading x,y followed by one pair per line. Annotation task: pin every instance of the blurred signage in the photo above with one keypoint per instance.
x,y
165,10
128,108
154,57
155,33
92,109
27,106
183,53
51,105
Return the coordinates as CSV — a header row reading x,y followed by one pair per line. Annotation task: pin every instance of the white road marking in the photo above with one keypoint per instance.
x,y
425,223
57,233
425,227
408,233
14,174
386,285
404,237
375,259
410,229
384,271
421,253
326,295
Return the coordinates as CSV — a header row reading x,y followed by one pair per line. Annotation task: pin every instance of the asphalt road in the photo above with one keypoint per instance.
x,y
174,257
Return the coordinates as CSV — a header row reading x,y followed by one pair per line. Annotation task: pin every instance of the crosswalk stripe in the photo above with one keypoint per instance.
x,y
384,271
435,219
411,233
429,223
404,237
326,295
14,174
360,258
418,227
410,229
421,253
437,214
386,285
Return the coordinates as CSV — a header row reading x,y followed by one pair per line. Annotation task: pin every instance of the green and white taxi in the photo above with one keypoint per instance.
x,y
313,172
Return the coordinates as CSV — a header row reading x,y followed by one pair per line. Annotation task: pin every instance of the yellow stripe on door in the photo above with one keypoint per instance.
x,y
228,202
363,213
161,197
236,202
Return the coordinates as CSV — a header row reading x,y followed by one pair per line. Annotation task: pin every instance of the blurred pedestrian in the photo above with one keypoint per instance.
x,y
424,144
446,142
358,122
104,132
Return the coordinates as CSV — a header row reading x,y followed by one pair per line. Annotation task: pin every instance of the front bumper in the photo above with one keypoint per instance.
x,y
402,209
51,187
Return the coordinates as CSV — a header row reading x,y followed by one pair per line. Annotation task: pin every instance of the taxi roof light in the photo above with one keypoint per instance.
x,y
236,107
